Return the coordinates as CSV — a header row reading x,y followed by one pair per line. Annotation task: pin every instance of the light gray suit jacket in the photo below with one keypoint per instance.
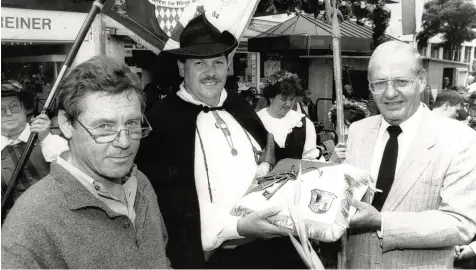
x,y
431,206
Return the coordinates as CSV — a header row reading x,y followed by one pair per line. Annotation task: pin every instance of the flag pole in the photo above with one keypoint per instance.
x,y
336,45
95,9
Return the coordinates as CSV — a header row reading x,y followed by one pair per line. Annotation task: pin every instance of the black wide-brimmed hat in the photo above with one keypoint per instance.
x,y
201,39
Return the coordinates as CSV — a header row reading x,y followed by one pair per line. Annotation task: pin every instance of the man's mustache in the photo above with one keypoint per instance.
x,y
210,78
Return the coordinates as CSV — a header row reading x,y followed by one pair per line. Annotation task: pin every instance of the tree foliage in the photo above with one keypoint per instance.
x,y
453,19
380,17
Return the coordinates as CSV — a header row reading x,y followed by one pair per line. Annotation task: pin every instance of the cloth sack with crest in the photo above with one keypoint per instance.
x,y
326,192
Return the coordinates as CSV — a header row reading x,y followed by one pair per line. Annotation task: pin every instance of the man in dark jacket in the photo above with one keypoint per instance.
x,y
308,107
203,157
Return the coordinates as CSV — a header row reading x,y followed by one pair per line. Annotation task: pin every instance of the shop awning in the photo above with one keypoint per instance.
x,y
304,32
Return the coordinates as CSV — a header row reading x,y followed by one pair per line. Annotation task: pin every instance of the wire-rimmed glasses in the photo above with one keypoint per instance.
x,y
15,107
401,84
107,136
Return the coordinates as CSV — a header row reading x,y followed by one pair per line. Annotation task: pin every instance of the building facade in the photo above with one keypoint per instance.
x,y
440,63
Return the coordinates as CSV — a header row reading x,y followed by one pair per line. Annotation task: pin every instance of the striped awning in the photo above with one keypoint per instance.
x,y
306,32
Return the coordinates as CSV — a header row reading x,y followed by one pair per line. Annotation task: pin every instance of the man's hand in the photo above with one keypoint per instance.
x,y
41,125
366,216
464,252
263,169
341,151
255,225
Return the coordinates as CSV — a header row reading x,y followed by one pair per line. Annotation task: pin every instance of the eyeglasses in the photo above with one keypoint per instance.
x,y
107,136
401,84
14,108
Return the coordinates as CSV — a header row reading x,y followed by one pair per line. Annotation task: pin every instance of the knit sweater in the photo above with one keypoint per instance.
x,y
58,223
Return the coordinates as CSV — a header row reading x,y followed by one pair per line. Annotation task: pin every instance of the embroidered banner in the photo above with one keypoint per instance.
x,y
160,22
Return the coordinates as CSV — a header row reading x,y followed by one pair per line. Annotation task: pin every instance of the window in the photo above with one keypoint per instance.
x,y
467,54
457,54
423,52
434,51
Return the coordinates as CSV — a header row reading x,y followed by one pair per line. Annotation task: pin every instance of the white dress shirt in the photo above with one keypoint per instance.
x,y
409,130
229,176
23,137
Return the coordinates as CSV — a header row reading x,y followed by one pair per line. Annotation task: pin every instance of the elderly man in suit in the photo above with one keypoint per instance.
x,y
424,167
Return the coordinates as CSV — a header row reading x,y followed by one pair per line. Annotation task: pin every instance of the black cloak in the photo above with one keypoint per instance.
x,y
167,157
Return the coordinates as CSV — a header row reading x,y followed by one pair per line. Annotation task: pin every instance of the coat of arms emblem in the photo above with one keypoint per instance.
x,y
169,12
321,201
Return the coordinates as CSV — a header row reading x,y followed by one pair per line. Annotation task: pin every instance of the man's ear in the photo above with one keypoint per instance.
x,y
181,68
422,79
65,125
446,105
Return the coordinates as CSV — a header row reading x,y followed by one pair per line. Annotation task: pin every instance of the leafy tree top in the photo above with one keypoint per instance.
x,y
455,20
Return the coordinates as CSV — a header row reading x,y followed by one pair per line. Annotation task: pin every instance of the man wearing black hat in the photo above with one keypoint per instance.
x,y
202,158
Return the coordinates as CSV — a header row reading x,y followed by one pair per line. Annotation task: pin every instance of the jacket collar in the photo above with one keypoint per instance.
x,y
234,104
78,197
23,137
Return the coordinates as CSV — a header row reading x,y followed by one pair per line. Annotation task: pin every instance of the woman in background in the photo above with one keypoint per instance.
x,y
293,132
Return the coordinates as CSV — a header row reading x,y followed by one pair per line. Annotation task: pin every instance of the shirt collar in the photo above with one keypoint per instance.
x,y
410,124
23,137
95,187
186,96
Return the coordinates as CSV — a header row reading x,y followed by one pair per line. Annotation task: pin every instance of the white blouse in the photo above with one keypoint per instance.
x,y
281,127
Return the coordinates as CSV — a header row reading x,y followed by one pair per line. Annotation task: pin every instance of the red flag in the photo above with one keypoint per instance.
x,y
160,22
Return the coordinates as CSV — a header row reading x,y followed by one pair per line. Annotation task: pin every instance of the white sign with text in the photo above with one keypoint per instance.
x,y
23,25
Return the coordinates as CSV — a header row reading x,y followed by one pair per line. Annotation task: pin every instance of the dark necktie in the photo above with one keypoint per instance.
x,y
386,173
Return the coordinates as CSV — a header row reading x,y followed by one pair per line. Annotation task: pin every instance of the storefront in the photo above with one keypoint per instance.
x,y
252,67
246,67
35,44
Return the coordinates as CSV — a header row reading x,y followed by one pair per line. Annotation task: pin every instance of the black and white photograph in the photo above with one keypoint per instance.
x,y
238,134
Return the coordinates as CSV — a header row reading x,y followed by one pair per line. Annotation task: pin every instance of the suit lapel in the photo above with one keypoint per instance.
x,y
414,164
371,134
367,141
364,157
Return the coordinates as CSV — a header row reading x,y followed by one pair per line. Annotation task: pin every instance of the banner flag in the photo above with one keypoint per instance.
x,y
408,17
160,22
412,12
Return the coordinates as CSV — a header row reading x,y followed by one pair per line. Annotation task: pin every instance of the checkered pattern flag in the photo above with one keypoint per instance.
x,y
158,23
168,18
